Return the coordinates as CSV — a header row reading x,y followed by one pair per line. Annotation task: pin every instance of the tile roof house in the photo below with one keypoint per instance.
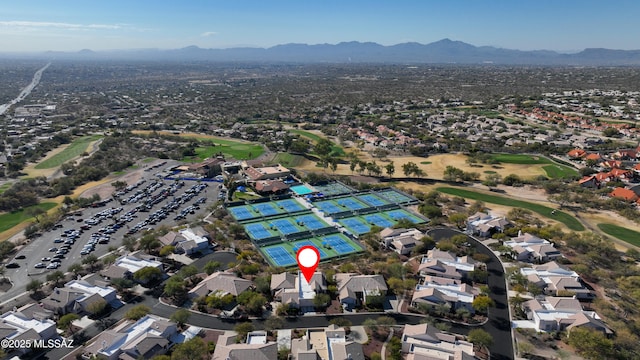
x,y
127,265
561,313
326,344
26,323
447,265
556,280
148,337
296,291
227,348
401,241
577,153
354,289
590,182
483,224
624,194
268,172
531,248
426,342
77,295
438,291
221,282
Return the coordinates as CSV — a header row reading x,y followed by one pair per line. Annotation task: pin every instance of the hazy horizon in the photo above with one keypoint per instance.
x,y
566,27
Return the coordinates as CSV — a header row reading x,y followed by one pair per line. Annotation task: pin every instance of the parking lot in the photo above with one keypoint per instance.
x,y
146,204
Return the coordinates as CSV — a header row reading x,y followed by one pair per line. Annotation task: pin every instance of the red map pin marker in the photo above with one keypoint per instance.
x,y
308,259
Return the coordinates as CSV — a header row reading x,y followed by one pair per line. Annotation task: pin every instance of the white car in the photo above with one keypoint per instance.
x,y
46,259
40,265
53,265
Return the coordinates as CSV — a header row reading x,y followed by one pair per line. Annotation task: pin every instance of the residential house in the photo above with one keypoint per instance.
x,y
439,291
355,290
426,342
624,194
269,187
402,241
296,291
531,248
484,225
577,153
77,296
26,324
590,182
196,240
611,164
330,343
143,339
127,265
222,283
446,265
556,280
256,347
560,313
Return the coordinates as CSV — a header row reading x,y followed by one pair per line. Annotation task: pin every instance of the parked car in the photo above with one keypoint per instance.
x,y
12,265
21,257
46,259
40,265
53,249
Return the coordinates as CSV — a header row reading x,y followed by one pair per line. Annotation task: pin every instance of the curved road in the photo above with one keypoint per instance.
x,y
499,324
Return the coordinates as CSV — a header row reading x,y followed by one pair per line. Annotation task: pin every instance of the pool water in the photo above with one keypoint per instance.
x,y
301,190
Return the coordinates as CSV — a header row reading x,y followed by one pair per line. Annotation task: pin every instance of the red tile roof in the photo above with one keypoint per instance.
x,y
624,194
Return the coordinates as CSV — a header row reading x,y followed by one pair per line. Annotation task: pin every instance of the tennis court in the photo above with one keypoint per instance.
x,y
280,256
266,209
299,244
334,188
340,243
350,203
311,222
372,200
395,196
379,220
355,225
258,231
242,213
289,205
285,226
403,214
328,207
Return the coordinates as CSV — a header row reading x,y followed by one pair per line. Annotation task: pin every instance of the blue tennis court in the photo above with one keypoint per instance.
x,y
403,214
289,205
266,209
355,225
338,244
300,244
372,200
285,226
257,231
311,222
328,207
394,196
280,256
378,220
350,203
241,213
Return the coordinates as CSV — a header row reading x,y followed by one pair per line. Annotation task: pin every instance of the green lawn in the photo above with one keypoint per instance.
x,y
235,149
75,149
571,222
624,234
9,220
288,160
553,169
336,150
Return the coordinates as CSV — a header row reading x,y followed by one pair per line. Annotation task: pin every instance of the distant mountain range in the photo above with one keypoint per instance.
x,y
440,52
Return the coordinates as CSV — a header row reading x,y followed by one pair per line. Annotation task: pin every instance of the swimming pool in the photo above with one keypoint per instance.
x,y
301,189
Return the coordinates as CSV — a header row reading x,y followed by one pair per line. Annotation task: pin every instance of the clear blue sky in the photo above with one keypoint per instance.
x,y
562,25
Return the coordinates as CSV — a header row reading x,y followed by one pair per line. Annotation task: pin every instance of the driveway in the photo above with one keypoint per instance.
x,y
499,324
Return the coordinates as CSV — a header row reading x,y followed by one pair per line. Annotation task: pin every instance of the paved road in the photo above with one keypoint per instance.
x,y
499,324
